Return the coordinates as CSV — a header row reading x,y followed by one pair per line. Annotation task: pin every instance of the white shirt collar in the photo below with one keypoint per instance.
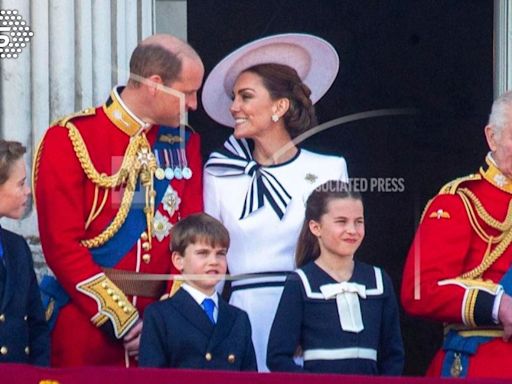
x,y
199,296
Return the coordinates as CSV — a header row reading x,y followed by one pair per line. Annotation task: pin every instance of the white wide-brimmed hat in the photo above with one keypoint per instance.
x,y
314,59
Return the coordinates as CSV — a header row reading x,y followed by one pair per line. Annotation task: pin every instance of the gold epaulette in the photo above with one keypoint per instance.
x,y
112,304
62,121
452,186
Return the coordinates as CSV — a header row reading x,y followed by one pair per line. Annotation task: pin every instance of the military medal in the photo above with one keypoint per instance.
x,y
187,173
169,173
159,172
177,169
185,170
177,173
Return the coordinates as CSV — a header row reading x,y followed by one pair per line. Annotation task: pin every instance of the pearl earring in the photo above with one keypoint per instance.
x,y
275,117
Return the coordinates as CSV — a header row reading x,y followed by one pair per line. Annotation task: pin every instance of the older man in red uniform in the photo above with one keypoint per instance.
x,y
458,267
109,184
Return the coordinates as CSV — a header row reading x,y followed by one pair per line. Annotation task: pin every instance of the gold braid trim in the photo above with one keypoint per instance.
x,y
112,304
92,174
102,205
95,211
490,258
138,158
120,218
471,202
469,308
35,168
474,221
486,217
453,186
93,208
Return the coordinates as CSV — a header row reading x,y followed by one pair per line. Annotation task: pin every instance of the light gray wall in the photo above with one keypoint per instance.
x,y
171,17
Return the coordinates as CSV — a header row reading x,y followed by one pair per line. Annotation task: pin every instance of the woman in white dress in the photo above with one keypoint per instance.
x,y
258,183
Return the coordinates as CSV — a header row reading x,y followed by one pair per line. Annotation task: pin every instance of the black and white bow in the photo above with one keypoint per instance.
x,y
236,159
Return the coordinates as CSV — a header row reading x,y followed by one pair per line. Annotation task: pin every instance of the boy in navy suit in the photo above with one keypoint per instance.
x,y
196,328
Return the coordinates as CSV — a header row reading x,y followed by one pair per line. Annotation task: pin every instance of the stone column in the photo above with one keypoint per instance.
x,y
80,49
502,46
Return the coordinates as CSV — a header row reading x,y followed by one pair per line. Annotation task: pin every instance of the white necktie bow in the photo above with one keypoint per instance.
x,y
347,300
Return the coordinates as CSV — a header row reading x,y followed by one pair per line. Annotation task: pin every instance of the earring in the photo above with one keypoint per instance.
x,y
275,117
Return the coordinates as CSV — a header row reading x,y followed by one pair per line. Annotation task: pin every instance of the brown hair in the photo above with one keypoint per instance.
x,y
308,248
282,81
153,59
198,227
10,152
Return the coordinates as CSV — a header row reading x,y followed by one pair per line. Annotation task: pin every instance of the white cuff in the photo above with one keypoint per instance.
x,y
496,305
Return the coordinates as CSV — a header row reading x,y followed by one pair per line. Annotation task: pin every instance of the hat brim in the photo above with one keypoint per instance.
x,y
315,60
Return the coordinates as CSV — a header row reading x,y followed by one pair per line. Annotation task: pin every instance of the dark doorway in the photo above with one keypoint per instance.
x,y
435,57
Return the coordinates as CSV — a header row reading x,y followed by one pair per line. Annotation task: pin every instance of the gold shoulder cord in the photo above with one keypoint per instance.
x,y
138,159
472,203
35,169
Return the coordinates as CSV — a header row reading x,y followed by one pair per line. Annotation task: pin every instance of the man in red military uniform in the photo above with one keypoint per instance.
x,y
458,270
109,184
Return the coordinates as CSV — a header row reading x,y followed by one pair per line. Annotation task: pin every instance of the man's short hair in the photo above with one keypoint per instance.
x,y
152,59
199,227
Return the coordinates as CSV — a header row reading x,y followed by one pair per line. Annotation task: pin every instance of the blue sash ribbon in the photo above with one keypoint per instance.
x,y
110,253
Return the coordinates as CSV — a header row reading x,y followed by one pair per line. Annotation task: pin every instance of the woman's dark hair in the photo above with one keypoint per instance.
x,y
10,151
282,81
308,248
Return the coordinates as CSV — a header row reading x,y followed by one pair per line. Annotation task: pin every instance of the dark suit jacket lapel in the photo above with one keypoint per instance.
x,y
224,324
11,262
187,306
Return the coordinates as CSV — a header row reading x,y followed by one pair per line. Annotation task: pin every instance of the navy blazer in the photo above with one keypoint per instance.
x,y
24,333
178,334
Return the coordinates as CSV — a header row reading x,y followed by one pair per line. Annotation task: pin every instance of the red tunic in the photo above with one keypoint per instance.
x,y
65,196
446,246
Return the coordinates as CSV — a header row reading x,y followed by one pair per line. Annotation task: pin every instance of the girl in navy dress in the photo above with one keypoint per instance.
x,y
342,313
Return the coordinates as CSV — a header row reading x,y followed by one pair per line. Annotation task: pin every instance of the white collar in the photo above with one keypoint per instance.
x,y
199,296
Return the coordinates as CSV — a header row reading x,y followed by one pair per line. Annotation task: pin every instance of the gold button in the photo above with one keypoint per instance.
x,y
110,292
27,350
115,298
231,358
25,317
208,356
146,258
144,236
2,317
3,350
146,246
126,310
120,304
104,285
